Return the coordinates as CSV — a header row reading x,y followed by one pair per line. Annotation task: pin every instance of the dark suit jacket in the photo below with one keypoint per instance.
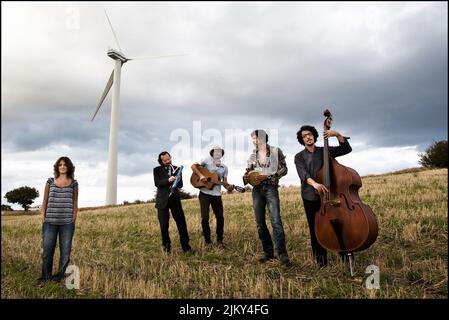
x,y
161,176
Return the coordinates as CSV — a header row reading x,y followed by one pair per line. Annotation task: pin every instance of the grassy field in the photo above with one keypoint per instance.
x,y
118,250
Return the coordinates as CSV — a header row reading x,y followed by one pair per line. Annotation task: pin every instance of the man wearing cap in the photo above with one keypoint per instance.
x,y
270,162
212,198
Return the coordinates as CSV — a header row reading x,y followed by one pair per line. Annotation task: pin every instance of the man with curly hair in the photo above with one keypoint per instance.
x,y
308,162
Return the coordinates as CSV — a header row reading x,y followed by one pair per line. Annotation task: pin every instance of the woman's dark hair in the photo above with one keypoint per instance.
x,y
306,128
68,163
260,132
163,153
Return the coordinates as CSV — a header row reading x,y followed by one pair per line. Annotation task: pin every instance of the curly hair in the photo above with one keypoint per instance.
x,y
306,128
68,163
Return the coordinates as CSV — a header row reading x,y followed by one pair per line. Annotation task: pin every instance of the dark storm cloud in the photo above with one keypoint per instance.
x,y
396,97
248,66
392,96
44,129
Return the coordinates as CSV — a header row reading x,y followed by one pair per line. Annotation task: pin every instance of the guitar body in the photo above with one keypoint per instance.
x,y
252,178
212,178
343,223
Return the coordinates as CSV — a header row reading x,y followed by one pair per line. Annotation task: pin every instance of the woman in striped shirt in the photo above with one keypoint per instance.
x,y
58,215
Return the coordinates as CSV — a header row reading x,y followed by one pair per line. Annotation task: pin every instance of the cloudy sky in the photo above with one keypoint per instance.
x,y
381,68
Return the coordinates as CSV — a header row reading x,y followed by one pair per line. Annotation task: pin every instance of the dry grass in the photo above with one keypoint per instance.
x,y
118,250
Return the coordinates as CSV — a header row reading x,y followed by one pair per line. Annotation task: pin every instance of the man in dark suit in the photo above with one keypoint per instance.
x,y
166,198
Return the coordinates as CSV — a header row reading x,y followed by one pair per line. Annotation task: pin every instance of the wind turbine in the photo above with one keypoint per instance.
x,y
114,80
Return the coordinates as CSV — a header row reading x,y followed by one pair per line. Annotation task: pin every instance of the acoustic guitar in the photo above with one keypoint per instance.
x,y
212,179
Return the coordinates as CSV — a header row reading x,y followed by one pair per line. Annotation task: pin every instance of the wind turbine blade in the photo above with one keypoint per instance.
x,y
105,93
112,28
157,57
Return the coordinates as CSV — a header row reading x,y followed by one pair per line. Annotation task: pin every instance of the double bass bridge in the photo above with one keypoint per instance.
x,y
333,203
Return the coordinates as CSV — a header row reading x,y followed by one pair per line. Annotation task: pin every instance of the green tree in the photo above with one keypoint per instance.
x,y
435,156
5,207
185,195
24,196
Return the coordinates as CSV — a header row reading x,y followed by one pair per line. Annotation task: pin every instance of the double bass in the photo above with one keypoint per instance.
x,y
343,223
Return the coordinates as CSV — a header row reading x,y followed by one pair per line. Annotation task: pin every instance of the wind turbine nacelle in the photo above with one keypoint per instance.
x,y
117,55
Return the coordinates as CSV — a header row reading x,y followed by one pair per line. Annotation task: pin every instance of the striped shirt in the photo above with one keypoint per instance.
x,y
60,203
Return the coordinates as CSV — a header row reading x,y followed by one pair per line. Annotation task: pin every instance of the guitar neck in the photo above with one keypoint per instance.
x,y
221,183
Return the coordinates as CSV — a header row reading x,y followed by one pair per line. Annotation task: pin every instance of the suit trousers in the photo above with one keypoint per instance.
x,y
174,205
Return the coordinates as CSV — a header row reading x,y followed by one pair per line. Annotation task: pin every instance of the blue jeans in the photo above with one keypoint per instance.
x,y
50,233
268,195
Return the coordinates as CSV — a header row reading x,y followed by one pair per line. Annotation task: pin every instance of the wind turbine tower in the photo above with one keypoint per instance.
x,y
114,80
